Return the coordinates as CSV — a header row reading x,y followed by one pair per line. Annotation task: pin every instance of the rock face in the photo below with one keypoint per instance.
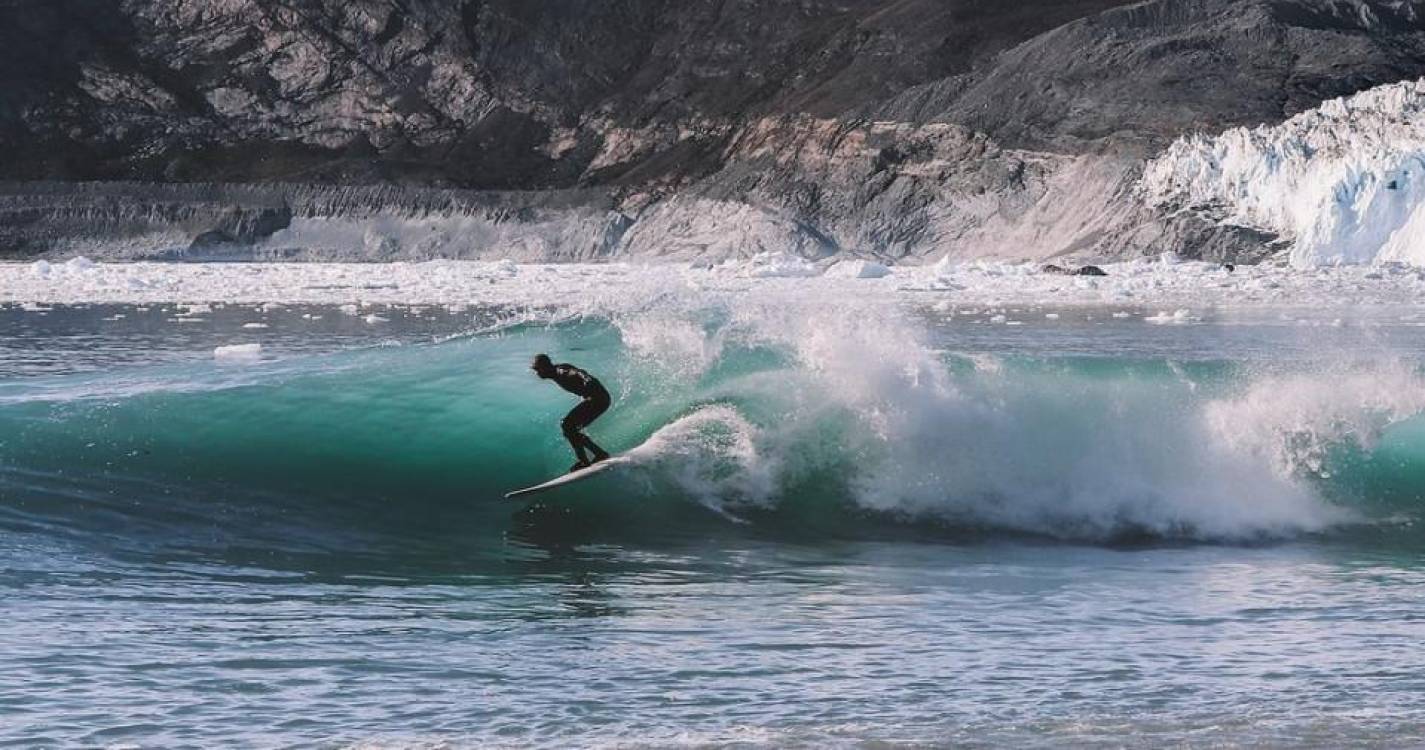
x,y
894,129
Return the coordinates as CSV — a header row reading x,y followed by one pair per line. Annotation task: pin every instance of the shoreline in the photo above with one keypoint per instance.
x,y
1154,283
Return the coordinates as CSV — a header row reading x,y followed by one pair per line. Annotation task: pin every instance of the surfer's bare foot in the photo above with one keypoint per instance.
x,y
600,456
578,465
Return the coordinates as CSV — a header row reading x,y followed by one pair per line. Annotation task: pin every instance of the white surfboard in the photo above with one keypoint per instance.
x,y
572,477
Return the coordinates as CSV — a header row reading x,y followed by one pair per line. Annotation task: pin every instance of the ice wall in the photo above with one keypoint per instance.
x,y
213,221
1343,183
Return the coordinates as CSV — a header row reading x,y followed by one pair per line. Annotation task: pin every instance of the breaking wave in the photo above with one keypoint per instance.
x,y
758,415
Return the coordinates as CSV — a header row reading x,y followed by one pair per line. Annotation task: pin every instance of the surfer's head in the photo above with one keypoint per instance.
x,y
542,366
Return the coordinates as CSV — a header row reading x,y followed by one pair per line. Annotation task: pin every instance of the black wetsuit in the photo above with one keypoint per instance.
x,y
595,402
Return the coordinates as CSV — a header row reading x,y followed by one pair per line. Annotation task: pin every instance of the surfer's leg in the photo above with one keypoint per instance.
x,y
597,407
599,453
571,426
579,418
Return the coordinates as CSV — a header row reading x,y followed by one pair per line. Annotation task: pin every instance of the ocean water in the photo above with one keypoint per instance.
x,y
850,523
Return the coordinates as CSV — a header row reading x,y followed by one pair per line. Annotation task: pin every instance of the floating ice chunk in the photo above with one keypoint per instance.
x,y
373,319
1177,317
857,269
773,265
46,269
943,267
238,352
254,326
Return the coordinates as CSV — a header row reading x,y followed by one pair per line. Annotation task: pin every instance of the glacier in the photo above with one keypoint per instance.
x,y
1343,183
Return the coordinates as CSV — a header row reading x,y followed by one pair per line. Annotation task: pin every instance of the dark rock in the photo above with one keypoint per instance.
x,y
509,94
244,227
896,129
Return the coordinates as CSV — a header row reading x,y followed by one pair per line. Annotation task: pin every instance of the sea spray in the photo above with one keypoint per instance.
x,y
1024,448
1294,421
712,455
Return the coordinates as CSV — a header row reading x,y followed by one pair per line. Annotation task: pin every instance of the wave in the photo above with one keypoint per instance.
x,y
829,418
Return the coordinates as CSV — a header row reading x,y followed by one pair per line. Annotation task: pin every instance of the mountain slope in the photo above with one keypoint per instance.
x,y
893,128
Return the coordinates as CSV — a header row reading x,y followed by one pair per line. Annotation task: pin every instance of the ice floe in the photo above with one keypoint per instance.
x,y
361,289
238,352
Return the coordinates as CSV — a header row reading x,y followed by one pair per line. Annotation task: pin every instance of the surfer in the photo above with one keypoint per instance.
x,y
595,402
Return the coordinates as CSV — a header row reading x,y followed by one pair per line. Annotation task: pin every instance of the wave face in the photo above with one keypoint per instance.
x,y
826,419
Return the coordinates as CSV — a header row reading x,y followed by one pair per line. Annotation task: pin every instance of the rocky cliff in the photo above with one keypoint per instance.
x,y
565,129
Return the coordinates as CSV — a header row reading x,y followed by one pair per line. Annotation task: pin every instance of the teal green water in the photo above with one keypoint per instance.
x,y
919,531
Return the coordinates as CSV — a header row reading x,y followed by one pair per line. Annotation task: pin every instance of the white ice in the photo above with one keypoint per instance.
x,y
1151,284
1343,183
238,352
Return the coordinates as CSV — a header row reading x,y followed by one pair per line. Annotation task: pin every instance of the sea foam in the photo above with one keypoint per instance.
x,y
862,401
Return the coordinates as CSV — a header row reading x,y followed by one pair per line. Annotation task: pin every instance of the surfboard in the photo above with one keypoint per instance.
x,y
572,477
